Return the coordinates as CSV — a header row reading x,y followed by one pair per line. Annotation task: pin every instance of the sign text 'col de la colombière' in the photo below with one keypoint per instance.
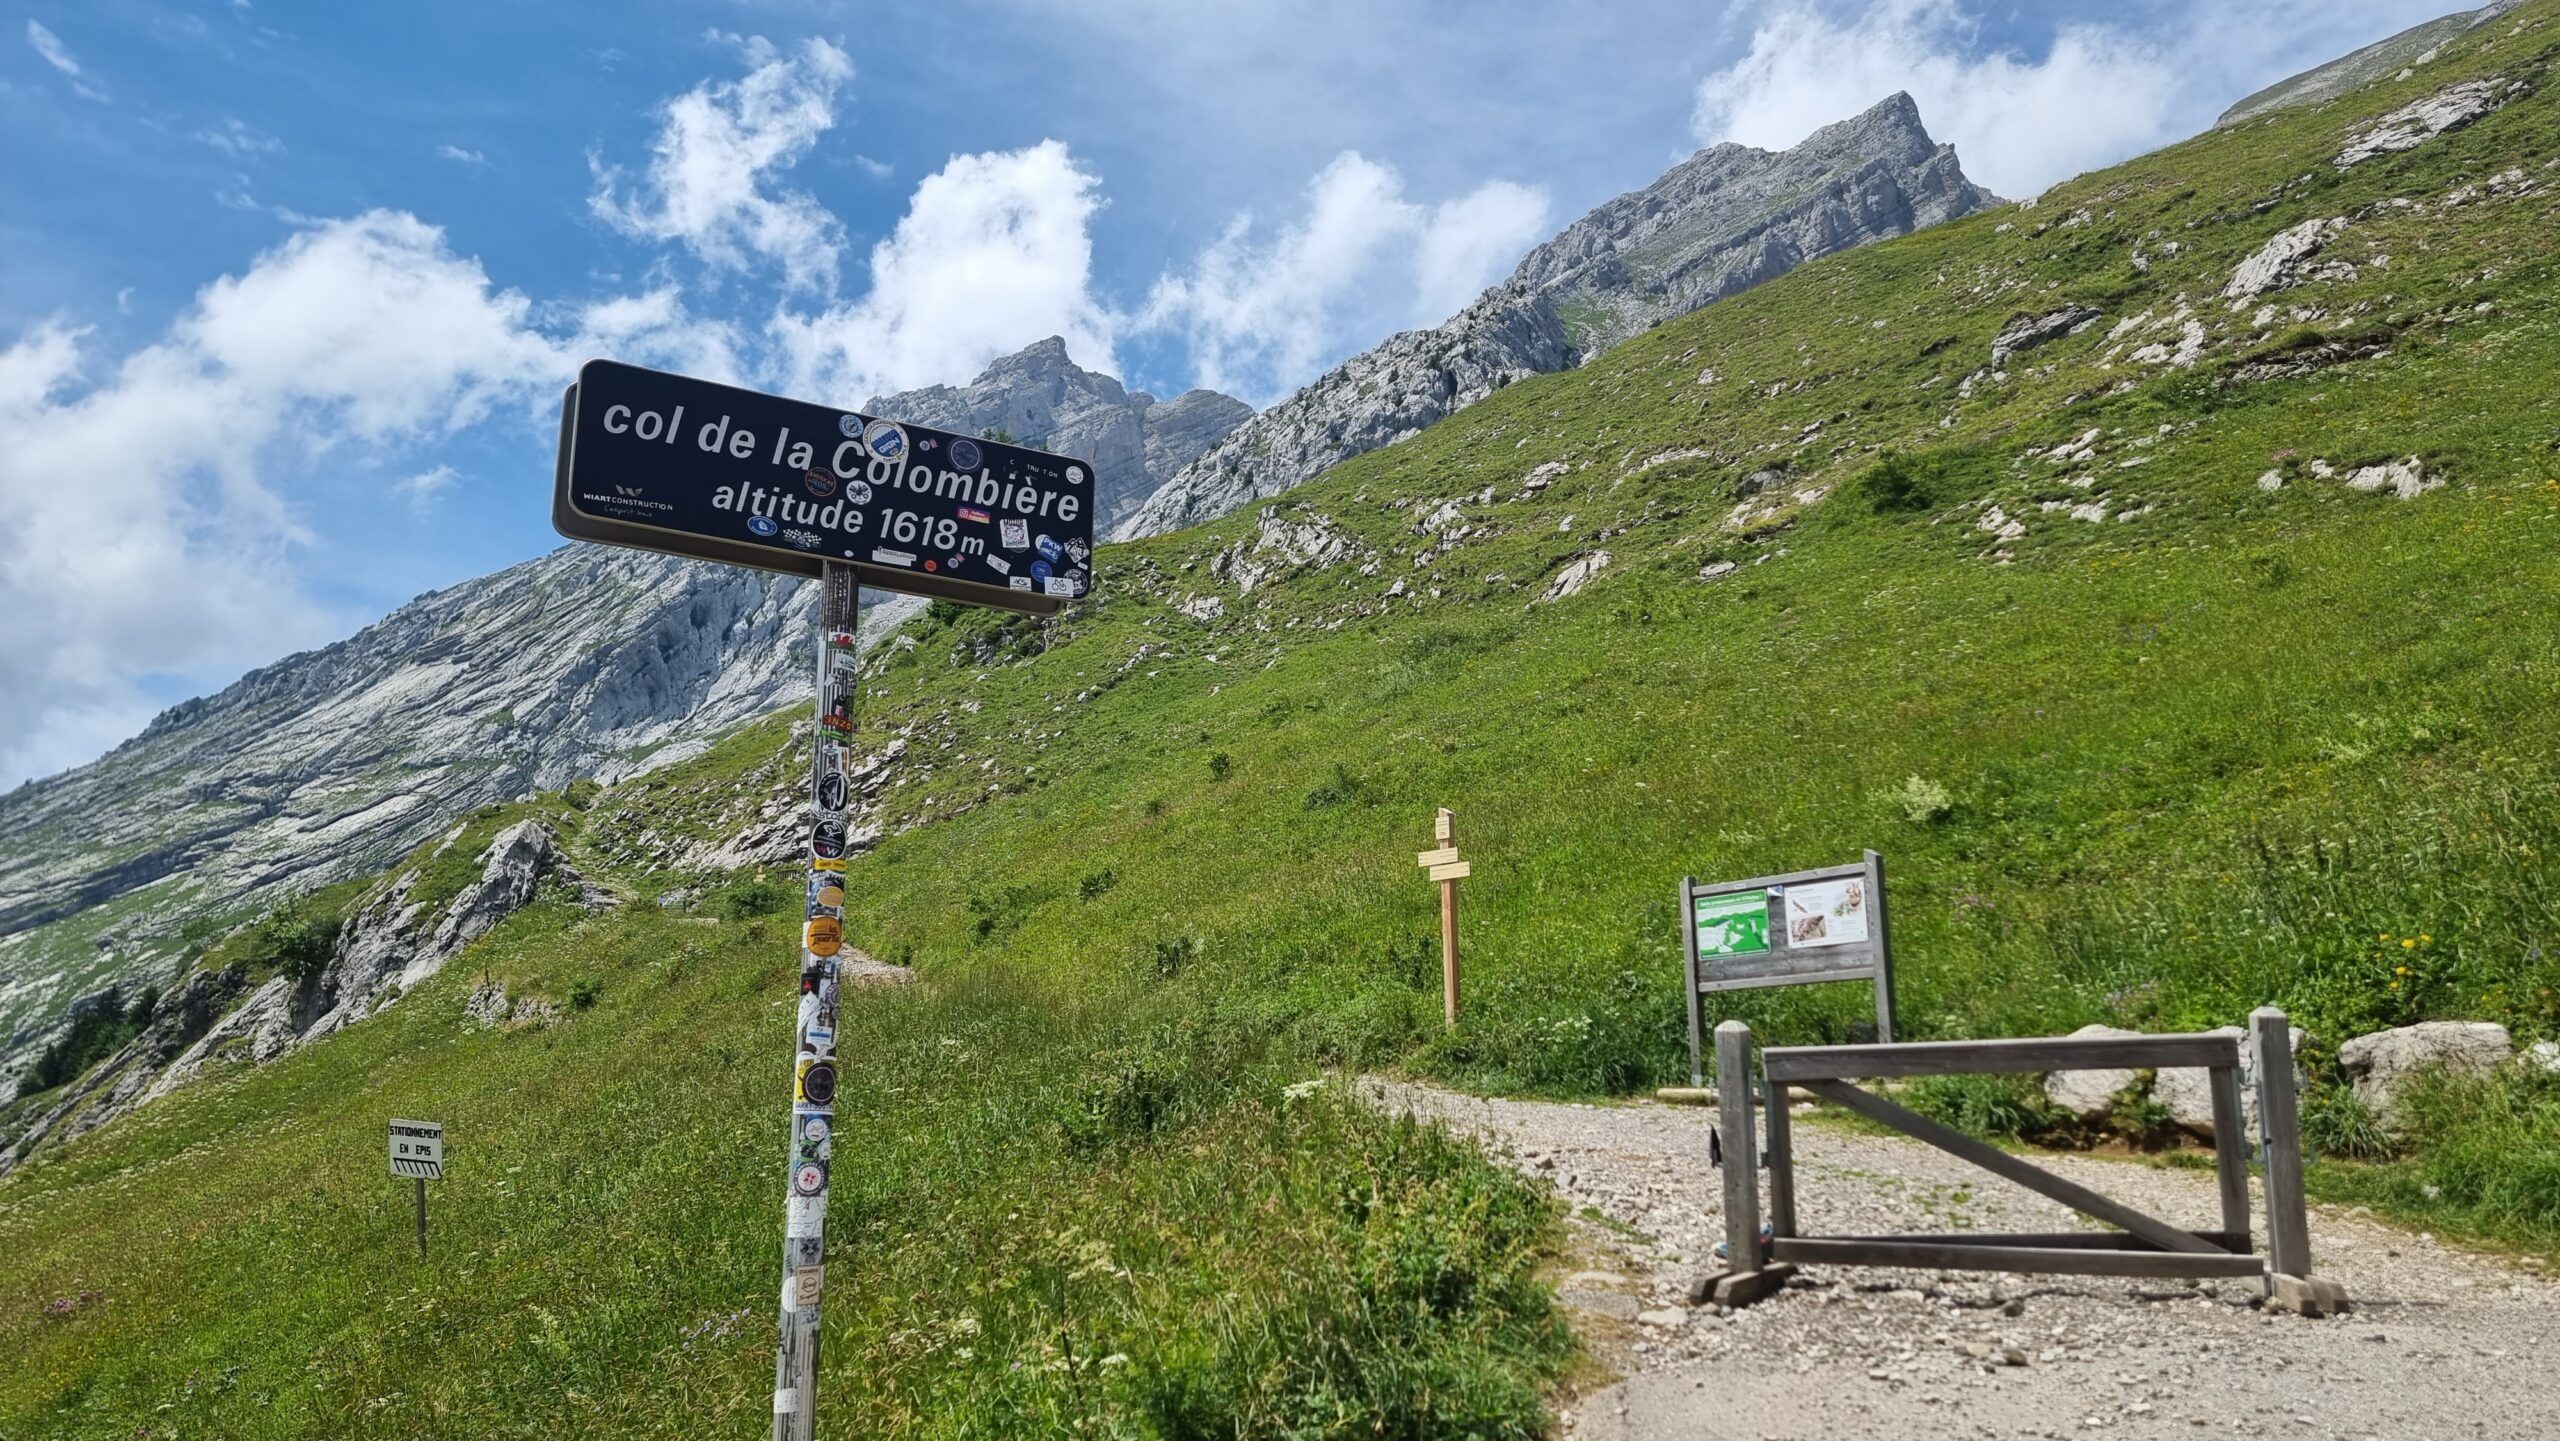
x,y
689,467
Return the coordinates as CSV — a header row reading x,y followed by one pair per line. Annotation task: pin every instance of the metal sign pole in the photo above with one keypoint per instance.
x,y
813,1089
422,1218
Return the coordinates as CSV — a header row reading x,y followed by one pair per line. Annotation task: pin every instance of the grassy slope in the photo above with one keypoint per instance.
x,y
2198,760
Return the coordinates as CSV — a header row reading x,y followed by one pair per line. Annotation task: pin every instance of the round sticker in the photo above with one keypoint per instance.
x,y
1049,549
830,891
964,454
821,483
826,838
809,1179
814,1129
884,439
851,425
818,1083
831,791
762,524
823,936
1040,570
858,491
1075,475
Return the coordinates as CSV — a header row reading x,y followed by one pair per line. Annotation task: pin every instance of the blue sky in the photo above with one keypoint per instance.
x,y
288,291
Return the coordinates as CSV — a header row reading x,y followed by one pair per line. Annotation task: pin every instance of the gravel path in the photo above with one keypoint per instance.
x,y
2443,1343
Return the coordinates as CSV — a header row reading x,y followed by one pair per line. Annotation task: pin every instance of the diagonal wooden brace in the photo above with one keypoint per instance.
x,y
2000,1163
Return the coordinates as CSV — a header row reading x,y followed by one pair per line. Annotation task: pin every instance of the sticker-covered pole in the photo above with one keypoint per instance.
x,y
813,1081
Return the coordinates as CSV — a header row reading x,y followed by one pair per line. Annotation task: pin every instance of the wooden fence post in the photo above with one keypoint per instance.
x,y
2290,1284
1747,1276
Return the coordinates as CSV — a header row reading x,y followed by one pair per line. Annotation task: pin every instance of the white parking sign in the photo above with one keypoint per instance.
x,y
417,1149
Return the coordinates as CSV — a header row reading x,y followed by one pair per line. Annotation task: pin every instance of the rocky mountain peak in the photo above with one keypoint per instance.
x,y
1039,396
1721,221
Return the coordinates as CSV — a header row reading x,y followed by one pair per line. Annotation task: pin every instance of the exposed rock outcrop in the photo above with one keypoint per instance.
x,y
2026,332
121,1081
1720,222
2420,121
387,947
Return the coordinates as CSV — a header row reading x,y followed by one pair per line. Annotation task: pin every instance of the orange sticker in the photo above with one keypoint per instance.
x,y
823,937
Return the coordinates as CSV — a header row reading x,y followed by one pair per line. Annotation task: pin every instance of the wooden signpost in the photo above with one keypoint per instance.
x,y
686,467
1442,864
1790,930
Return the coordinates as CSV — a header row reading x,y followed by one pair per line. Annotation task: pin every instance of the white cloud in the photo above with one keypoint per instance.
x,y
59,56
421,490
1474,240
142,533
1261,318
238,140
719,147
994,252
460,156
2098,93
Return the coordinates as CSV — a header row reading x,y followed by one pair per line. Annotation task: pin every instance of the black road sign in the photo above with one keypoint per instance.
x,y
667,463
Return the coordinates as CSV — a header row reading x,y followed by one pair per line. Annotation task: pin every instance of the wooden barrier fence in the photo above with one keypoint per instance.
x,y
2140,1245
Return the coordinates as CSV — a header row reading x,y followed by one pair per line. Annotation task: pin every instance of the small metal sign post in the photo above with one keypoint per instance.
x,y
686,467
1790,930
417,1152
1442,865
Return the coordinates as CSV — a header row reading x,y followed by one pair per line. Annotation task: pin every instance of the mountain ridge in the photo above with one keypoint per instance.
x,y
1725,219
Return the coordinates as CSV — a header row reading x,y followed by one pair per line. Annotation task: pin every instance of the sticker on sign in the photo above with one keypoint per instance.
x,y
417,1149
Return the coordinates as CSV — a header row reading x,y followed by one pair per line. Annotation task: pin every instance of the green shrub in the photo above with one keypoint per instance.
x,y
755,894
295,940
1997,1106
2337,1122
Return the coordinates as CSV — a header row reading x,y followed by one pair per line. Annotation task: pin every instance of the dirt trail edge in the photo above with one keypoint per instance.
x,y
2444,1343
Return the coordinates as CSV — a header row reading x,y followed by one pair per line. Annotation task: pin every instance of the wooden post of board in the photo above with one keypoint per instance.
x,y
1441,863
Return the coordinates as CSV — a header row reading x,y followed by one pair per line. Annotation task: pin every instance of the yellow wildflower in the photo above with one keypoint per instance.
x,y
2410,944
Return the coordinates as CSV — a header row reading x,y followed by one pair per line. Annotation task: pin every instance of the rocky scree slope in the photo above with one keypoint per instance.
x,y
585,662
1726,219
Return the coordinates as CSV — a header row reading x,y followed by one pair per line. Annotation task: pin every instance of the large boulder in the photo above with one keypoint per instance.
x,y
2090,1095
2188,1094
2383,1063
